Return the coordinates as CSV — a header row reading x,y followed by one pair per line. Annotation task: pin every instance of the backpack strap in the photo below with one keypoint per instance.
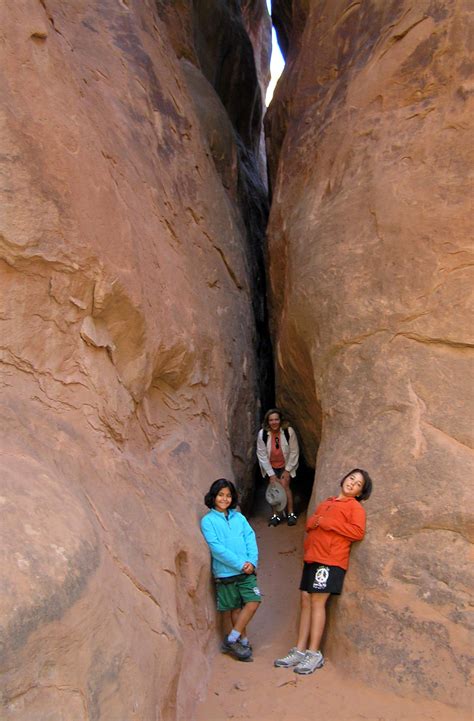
x,y
286,431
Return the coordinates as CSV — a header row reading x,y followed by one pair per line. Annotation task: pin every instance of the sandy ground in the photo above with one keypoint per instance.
x,y
259,692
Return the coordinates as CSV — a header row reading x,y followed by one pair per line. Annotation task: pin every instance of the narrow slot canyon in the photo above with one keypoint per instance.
x,y
175,259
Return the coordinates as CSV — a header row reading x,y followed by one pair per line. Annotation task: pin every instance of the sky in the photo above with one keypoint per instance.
x,y
277,63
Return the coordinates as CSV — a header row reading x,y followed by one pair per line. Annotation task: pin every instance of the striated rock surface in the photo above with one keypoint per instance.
x,y
128,375
370,259
230,44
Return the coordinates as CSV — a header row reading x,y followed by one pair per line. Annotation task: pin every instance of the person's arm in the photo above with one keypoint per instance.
x,y
251,544
293,453
219,551
352,526
262,455
313,521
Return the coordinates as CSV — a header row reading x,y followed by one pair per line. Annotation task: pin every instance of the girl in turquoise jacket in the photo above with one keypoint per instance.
x,y
234,553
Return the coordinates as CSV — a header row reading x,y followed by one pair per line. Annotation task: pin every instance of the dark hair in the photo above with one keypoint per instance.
x,y
366,488
283,421
210,497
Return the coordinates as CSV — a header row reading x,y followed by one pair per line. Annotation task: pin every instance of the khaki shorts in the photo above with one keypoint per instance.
x,y
235,591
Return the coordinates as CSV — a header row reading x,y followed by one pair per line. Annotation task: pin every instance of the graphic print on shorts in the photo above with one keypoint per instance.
x,y
256,591
321,578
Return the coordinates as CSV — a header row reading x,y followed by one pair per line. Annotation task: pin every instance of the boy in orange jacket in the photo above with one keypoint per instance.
x,y
333,527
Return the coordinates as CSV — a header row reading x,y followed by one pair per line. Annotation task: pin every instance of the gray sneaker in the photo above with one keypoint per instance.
x,y
311,661
292,658
241,653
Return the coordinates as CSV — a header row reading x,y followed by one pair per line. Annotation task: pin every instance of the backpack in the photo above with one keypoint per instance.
x,y
285,431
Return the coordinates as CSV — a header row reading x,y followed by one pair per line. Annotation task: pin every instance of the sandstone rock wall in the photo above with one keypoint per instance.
x,y
371,222
230,44
128,374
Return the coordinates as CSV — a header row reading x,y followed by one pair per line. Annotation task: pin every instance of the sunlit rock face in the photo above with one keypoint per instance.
x,y
129,376
369,261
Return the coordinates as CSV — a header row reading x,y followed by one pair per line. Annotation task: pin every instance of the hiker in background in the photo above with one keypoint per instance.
x,y
234,553
278,456
336,523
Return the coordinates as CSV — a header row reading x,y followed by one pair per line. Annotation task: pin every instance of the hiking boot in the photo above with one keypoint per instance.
x,y
292,518
246,645
311,661
241,653
292,658
274,520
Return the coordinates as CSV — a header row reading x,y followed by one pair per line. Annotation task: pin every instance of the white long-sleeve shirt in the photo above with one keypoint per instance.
x,y
291,452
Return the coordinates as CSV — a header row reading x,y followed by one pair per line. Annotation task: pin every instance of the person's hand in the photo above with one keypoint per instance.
x,y
272,479
248,568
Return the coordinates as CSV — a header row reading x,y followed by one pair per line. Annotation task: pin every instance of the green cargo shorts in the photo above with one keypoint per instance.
x,y
235,591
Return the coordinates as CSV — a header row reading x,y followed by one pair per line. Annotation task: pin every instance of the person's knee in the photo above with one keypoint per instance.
x,y
305,600
319,599
252,605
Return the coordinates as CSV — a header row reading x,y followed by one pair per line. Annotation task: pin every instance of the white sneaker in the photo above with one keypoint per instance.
x,y
292,658
311,661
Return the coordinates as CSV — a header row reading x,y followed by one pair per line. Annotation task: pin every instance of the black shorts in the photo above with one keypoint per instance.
x,y
321,578
278,471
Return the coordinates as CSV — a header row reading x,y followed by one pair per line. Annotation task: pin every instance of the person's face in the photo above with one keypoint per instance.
x,y
353,485
223,500
274,421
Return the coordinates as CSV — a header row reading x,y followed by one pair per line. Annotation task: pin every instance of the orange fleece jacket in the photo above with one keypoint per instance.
x,y
331,530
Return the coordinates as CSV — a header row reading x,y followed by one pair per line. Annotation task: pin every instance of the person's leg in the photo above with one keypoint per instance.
x,y
305,622
275,517
313,658
289,495
241,651
318,619
226,622
249,596
297,654
228,601
244,616
234,614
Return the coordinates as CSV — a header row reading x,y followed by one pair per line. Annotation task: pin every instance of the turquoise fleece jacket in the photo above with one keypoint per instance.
x,y
231,541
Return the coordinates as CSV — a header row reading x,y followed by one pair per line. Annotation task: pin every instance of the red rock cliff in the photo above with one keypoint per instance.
x,y
371,220
129,257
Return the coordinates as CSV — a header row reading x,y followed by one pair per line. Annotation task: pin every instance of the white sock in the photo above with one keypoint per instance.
x,y
233,636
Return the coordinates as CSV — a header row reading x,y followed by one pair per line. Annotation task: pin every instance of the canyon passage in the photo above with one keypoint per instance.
x,y
175,258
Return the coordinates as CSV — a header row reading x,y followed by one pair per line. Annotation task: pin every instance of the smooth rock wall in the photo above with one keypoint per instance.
x,y
370,140
129,379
